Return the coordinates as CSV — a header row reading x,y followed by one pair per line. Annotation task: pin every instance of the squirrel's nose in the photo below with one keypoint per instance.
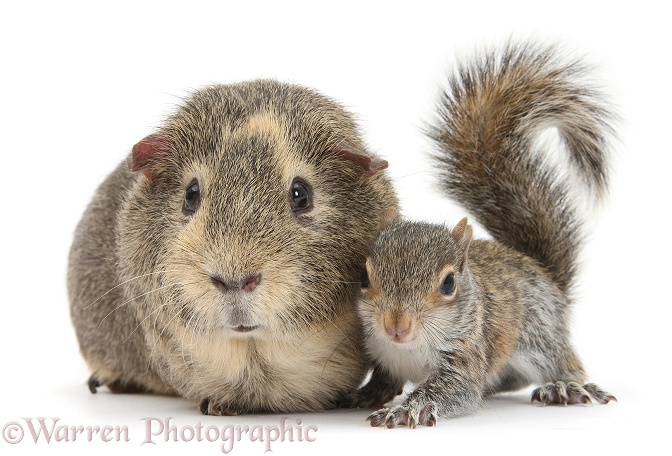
x,y
247,284
398,328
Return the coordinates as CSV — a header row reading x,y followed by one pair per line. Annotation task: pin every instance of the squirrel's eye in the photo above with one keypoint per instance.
x,y
448,285
364,278
300,197
192,198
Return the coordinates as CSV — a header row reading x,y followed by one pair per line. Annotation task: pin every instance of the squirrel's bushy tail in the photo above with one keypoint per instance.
x,y
490,118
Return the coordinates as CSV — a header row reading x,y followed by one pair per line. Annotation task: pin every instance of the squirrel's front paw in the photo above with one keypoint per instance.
x,y
370,396
207,407
410,414
380,389
570,393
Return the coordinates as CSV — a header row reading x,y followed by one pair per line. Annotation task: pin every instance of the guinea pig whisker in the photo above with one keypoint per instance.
x,y
95,260
338,346
191,329
188,249
341,281
345,339
156,339
125,282
143,320
321,329
130,300
177,312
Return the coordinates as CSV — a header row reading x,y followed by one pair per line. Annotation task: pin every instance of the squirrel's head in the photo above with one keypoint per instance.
x,y
416,285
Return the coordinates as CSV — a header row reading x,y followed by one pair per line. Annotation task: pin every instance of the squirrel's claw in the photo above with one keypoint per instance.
x,y
570,393
411,414
377,419
428,415
600,395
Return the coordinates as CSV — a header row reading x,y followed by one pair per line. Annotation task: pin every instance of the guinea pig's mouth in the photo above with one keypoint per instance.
x,y
244,329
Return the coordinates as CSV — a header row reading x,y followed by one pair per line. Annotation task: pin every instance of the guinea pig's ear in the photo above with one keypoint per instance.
x,y
370,165
147,154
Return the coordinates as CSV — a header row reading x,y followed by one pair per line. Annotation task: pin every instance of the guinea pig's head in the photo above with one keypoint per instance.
x,y
253,211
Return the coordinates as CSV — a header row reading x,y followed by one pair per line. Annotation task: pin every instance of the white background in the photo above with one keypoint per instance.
x,y
81,83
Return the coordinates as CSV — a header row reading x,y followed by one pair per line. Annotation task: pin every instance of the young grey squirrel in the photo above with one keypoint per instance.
x,y
469,318
222,264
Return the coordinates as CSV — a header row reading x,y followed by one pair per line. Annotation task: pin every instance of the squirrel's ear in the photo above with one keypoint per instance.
x,y
370,165
146,156
462,234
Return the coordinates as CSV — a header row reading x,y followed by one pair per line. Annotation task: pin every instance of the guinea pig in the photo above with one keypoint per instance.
x,y
220,261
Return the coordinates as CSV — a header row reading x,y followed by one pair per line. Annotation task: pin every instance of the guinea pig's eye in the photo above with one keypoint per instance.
x,y
300,197
192,198
364,278
448,285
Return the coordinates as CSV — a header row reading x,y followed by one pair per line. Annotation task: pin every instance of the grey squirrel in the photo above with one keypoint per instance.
x,y
469,318
220,262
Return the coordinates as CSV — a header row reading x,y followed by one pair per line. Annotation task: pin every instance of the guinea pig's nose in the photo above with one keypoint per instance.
x,y
247,284
220,285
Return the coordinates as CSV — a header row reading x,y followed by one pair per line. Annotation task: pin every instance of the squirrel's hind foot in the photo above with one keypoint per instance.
x,y
562,393
600,395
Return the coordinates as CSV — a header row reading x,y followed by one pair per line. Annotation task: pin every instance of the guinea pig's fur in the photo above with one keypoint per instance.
x,y
245,304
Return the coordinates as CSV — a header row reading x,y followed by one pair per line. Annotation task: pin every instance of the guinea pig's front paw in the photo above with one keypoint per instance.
x,y
207,407
570,393
117,386
410,414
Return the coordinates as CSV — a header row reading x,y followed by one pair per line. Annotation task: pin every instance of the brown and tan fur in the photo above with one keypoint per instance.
x,y
160,296
465,319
